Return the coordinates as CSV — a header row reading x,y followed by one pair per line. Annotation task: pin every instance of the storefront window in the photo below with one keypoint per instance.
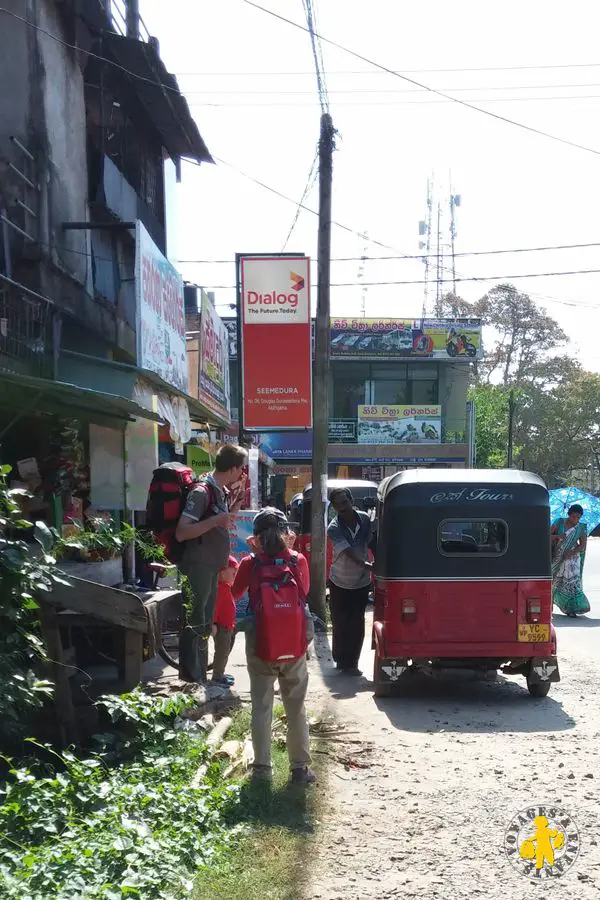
x,y
348,388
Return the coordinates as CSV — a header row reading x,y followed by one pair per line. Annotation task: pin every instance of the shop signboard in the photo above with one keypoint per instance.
x,y
400,424
276,350
342,431
198,459
161,344
438,339
287,445
213,382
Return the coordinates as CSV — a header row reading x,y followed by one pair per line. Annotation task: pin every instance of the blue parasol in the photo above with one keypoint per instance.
x,y
562,498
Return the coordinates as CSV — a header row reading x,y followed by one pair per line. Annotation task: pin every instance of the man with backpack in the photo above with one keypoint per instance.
x,y
203,529
277,636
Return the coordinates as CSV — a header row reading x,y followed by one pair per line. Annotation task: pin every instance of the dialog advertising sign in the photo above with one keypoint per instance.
x,y
399,424
213,386
276,351
160,313
440,339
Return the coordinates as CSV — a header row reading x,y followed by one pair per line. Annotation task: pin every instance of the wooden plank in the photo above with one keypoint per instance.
x,y
105,603
133,659
63,701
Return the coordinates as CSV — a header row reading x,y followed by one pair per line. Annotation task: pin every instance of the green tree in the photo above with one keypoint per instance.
x,y
491,425
558,428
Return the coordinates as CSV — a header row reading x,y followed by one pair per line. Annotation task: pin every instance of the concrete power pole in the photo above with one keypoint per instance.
x,y
318,557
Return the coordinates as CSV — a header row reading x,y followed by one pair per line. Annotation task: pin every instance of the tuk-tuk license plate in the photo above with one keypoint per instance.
x,y
534,634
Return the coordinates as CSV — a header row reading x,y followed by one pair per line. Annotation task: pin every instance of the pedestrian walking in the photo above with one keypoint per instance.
x,y
277,581
204,529
349,579
224,623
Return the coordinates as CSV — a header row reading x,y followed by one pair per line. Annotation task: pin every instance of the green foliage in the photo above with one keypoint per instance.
x,y
130,827
491,425
99,539
24,575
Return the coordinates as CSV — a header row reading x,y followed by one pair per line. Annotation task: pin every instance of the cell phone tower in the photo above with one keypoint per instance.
x,y
425,244
454,203
361,275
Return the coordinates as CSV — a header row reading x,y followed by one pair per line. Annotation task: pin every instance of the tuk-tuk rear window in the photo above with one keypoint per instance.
x,y
484,537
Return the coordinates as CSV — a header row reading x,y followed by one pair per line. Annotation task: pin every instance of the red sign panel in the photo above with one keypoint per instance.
x,y
276,343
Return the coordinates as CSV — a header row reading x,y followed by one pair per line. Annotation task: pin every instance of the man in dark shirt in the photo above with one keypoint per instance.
x,y
204,528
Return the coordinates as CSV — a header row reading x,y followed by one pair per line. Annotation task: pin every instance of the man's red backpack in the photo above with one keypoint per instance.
x,y
279,607
169,489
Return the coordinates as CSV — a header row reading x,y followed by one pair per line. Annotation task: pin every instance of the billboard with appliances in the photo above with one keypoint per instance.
x,y
276,344
439,339
213,385
161,344
400,424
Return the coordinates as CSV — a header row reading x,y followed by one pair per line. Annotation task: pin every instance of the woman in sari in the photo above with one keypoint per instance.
x,y
569,541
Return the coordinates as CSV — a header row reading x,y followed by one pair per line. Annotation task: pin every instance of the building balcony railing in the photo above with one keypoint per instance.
x,y
411,431
25,329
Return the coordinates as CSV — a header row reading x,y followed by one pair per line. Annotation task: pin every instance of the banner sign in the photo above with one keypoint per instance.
x,y
239,532
286,445
198,459
400,424
276,351
161,345
406,338
213,386
342,431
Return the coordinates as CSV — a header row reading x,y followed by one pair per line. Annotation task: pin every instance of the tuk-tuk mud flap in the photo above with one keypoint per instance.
x,y
543,669
391,669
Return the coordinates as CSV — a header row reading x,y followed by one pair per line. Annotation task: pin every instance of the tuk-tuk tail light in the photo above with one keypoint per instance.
x,y
534,609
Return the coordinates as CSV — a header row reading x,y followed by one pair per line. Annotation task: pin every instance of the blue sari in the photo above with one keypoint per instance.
x,y
567,572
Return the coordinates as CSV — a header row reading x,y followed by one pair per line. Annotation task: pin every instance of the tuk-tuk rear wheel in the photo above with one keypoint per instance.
x,y
538,689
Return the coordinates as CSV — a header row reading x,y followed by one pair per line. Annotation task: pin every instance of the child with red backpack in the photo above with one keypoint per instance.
x,y
223,629
277,636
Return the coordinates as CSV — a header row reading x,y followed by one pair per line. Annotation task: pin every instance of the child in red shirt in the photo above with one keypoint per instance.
x,y
224,623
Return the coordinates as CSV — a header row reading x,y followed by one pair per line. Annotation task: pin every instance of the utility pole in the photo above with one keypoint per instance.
x,y
511,419
318,555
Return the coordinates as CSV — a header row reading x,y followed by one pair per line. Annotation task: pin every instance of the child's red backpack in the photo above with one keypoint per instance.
x,y
279,607
169,489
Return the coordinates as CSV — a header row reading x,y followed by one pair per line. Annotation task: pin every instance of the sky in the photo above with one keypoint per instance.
x,y
250,82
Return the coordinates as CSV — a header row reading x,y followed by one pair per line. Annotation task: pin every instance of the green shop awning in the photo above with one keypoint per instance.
x,y
22,395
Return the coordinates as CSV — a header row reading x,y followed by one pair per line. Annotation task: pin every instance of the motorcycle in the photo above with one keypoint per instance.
x,y
461,346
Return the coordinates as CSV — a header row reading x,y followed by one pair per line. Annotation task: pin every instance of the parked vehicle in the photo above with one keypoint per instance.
x,y
365,498
295,512
463,577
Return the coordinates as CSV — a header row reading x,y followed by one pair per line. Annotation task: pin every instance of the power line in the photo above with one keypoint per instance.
x,y
417,256
506,277
110,62
594,65
369,104
489,87
317,53
425,87
310,181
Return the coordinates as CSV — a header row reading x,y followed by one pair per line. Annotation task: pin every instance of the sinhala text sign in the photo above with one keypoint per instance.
x,y
161,346
276,350
213,387
413,338
400,424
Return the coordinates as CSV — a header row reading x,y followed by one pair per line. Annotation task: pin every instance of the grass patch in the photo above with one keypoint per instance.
x,y
267,858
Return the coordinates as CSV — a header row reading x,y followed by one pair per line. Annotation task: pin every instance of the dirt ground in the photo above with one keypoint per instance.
x,y
437,774
423,787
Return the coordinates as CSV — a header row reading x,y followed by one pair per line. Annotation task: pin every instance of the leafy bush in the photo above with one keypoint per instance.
x,y
82,828
24,574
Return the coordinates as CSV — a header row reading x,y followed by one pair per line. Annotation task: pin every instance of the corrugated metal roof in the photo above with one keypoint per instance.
x,y
163,101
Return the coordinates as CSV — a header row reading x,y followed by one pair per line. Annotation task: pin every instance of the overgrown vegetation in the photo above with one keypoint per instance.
x,y
23,576
269,855
125,821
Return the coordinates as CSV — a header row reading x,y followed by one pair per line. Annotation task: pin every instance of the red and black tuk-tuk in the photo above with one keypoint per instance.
x,y
463,577
365,498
